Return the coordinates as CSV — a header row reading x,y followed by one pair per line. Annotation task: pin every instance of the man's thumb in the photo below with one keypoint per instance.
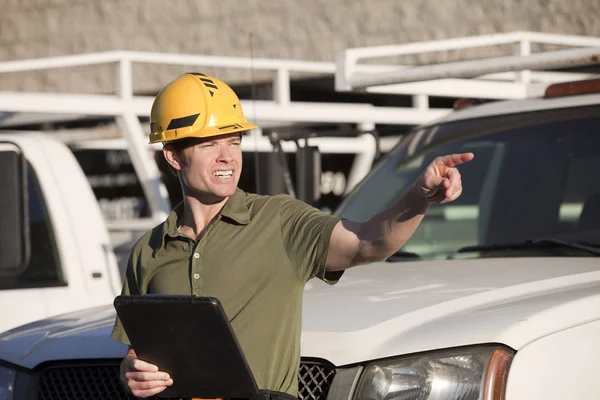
x,y
432,185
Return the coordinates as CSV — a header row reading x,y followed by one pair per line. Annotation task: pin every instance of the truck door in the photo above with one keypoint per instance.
x,y
21,299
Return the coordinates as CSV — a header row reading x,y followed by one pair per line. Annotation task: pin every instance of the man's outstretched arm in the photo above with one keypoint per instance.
x,y
354,243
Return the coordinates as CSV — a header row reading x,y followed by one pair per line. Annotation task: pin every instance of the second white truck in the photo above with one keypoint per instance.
x,y
55,252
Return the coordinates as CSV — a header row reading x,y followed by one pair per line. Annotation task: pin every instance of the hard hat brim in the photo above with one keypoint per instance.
x,y
194,132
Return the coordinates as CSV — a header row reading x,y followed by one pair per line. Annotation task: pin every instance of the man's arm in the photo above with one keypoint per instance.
x,y
354,243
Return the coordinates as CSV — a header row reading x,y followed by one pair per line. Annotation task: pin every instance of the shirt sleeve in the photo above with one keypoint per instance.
x,y
306,232
130,287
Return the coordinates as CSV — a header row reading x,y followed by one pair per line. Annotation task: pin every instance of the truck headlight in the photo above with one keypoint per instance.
x,y
7,382
469,374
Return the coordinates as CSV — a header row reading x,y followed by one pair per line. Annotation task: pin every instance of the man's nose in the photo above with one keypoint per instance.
x,y
224,154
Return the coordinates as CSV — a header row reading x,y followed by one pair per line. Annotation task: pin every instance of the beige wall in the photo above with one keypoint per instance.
x,y
307,30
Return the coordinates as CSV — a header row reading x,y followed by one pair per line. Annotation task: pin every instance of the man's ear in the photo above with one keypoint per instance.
x,y
172,157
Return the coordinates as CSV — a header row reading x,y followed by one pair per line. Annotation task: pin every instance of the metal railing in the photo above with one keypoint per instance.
x,y
509,77
126,107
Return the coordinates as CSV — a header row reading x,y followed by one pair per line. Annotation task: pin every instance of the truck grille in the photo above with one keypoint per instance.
x,y
314,381
101,382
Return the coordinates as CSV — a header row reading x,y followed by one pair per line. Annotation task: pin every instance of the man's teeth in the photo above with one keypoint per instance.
x,y
224,173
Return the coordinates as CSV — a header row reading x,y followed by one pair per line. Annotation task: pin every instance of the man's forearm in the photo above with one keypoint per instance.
x,y
388,231
354,243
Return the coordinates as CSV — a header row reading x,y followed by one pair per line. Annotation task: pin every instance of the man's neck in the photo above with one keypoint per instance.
x,y
198,215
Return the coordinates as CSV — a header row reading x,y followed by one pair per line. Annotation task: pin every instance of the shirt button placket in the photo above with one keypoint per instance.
x,y
196,277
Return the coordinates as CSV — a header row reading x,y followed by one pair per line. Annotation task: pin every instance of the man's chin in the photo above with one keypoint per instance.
x,y
218,194
225,190
225,194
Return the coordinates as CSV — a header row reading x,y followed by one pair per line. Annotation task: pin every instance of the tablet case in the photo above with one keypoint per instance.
x,y
190,338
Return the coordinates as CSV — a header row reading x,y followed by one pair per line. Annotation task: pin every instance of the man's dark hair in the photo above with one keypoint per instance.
x,y
178,146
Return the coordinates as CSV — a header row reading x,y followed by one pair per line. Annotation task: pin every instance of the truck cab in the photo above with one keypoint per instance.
x,y
55,246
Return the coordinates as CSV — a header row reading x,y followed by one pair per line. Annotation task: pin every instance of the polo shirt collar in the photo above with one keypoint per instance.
x,y
171,223
235,209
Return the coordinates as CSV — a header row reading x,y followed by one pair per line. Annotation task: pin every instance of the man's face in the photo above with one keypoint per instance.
x,y
209,168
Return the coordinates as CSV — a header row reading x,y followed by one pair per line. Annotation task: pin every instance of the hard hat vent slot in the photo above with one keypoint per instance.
x,y
234,126
183,121
210,85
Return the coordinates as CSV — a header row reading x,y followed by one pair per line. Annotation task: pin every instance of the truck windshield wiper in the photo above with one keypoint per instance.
x,y
547,243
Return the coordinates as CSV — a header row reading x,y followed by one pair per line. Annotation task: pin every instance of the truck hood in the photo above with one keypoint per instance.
x,y
380,310
82,334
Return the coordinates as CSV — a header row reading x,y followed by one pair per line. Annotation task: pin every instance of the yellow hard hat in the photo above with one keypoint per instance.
x,y
196,105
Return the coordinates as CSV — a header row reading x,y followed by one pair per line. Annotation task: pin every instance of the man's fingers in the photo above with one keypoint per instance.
x,y
149,384
148,392
455,182
148,388
138,365
147,376
452,196
453,160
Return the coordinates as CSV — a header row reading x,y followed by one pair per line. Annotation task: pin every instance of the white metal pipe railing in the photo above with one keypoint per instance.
x,y
38,64
281,87
124,79
470,42
348,68
283,68
524,50
108,57
474,68
126,107
561,40
431,46
457,88
261,110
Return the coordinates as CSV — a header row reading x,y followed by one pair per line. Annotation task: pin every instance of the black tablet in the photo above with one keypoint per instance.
x,y
190,338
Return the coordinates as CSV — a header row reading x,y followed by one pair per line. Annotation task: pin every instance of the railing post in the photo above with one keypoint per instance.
x,y
345,62
124,85
421,102
281,87
525,50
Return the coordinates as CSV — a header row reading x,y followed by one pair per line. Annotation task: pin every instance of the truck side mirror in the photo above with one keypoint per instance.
x,y
14,221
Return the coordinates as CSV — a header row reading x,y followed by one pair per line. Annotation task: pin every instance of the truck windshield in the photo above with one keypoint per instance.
x,y
534,177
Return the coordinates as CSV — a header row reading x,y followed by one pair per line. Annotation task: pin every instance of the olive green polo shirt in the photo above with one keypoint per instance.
x,y
256,259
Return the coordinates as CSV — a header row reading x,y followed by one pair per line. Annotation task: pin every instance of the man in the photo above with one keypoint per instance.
x,y
254,253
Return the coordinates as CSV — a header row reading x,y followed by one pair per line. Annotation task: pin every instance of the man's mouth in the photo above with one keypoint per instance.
x,y
223,174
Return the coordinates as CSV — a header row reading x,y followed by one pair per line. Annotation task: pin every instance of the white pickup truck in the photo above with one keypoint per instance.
x,y
496,296
52,229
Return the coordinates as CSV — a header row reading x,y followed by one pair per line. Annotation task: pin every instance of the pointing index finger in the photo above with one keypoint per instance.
x,y
456,159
